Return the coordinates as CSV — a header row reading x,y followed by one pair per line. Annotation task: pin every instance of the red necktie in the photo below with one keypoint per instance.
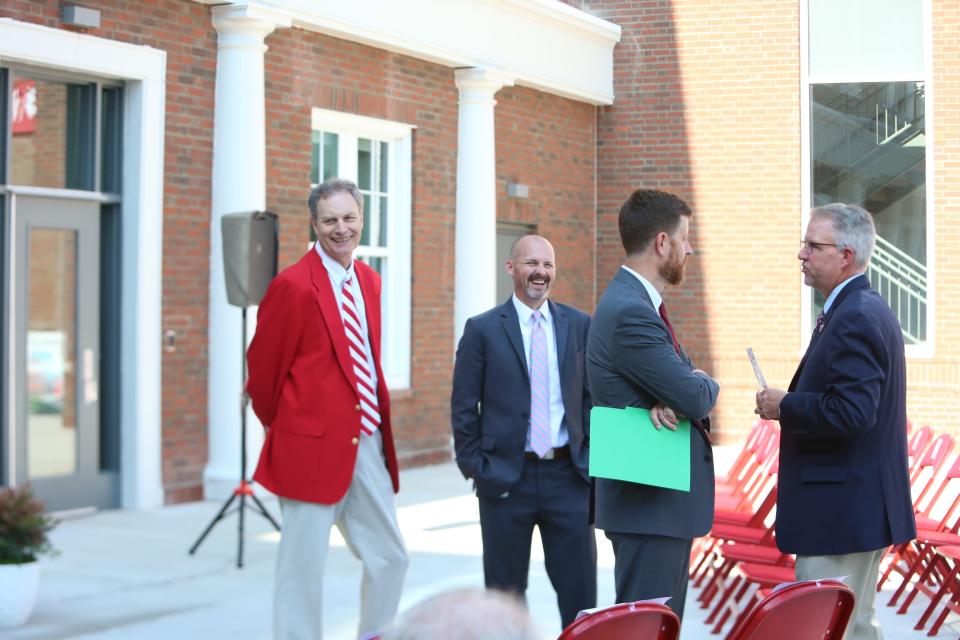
x,y
676,345
666,321
370,410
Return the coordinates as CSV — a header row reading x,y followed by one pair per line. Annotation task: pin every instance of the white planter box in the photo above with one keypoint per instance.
x,y
19,584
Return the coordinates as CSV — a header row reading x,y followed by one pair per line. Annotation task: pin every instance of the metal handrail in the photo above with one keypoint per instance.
x,y
902,281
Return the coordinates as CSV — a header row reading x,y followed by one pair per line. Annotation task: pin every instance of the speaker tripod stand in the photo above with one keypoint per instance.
x,y
243,490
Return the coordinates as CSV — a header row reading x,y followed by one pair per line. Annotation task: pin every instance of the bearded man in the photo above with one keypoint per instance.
x,y
520,410
634,359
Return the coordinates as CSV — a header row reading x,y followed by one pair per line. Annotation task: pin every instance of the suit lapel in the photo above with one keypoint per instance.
x,y
856,284
625,277
331,313
631,281
561,325
510,322
371,304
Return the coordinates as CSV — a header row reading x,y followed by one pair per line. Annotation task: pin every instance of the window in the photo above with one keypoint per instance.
x,y
376,154
867,140
54,127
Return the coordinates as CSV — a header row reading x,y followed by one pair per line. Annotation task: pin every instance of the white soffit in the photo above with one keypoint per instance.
x,y
544,44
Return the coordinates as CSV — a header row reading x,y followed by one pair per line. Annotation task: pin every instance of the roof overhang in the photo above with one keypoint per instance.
x,y
544,44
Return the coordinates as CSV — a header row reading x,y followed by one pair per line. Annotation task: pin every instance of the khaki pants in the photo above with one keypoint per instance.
x,y
367,519
862,571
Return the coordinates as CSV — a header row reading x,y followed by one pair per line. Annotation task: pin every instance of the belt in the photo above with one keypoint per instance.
x,y
551,454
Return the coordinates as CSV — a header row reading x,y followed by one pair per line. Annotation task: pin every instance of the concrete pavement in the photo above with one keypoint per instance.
x,y
127,575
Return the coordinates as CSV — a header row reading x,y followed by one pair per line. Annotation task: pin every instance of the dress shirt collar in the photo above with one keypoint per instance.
x,y
334,268
655,296
836,291
524,312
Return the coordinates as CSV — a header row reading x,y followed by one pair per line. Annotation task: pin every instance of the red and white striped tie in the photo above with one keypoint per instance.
x,y
369,408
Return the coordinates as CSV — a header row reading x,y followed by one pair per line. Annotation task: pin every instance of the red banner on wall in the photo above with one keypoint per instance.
x,y
24,107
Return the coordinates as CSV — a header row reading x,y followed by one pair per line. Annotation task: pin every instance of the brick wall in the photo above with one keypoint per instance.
x,y
547,143
184,31
542,140
934,383
306,70
708,106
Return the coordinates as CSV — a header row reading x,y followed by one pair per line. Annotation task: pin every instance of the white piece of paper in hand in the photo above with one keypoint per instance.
x,y
756,368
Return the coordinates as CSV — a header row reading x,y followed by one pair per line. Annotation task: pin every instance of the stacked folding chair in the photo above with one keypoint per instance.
x,y
928,564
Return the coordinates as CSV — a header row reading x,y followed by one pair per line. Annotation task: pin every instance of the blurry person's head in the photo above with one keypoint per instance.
x,y
465,614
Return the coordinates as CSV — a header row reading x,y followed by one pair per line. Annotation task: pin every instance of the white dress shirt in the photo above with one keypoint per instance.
x,y
836,291
558,431
337,275
655,296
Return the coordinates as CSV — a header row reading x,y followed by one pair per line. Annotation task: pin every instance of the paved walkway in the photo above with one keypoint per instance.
x,y
126,574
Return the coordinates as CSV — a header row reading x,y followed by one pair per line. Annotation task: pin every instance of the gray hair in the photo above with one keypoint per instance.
x,y
465,614
853,227
329,187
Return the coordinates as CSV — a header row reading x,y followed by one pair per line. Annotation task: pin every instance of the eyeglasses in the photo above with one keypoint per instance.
x,y
810,245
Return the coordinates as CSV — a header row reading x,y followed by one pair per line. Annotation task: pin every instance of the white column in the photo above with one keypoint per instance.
x,y
239,184
476,239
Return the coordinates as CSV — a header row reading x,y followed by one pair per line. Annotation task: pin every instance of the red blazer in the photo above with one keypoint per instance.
x,y
301,384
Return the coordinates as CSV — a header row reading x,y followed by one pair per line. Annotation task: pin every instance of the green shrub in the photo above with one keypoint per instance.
x,y
23,526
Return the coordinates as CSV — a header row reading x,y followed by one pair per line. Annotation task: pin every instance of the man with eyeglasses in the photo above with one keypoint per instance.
x,y
844,488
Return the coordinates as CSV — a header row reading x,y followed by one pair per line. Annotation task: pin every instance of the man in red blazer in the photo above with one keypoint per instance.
x,y
317,386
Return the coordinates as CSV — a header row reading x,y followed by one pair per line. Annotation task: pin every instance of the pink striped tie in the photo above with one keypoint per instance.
x,y
370,412
540,437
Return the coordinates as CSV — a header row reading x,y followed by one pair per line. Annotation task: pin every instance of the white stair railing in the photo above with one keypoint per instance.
x,y
902,281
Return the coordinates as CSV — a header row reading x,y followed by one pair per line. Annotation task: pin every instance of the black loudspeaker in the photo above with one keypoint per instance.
x,y
250,243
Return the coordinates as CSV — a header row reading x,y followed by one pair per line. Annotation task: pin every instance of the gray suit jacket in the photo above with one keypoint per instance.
x,y
631,362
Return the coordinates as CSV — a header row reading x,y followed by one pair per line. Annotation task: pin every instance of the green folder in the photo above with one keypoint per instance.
x,y
624,445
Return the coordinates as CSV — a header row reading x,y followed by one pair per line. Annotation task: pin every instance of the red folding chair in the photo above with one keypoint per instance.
x,y
908,558
756,530
928,563
646,620
733,491
760,576
813,610
925,502
916,445
950,586
748,508
745,462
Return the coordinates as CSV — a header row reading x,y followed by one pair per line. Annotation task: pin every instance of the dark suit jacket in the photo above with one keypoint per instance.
x,y
843,479
631,362
302,387
490,403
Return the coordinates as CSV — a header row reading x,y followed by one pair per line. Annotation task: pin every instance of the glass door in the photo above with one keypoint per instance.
x,y
56,352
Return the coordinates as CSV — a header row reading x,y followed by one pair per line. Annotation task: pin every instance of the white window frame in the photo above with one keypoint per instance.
x,y
923,350
397,283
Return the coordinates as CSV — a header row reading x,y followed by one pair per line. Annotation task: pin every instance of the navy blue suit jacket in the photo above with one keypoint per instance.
x,y
490,403
844,486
